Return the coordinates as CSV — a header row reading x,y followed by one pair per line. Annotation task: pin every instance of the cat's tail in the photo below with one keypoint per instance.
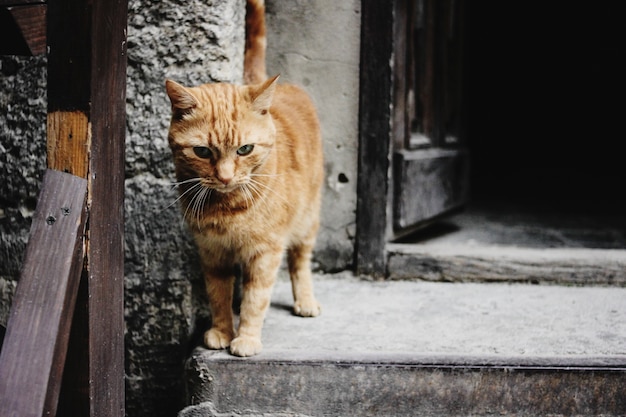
x,y
254,60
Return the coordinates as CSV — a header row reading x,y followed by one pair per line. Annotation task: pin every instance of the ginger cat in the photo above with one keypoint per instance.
x,y
249,166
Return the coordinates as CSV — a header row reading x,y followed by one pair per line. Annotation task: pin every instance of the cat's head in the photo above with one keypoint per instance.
x,y
221,133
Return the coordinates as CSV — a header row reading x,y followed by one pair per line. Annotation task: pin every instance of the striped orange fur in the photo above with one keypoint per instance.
x,y
249,167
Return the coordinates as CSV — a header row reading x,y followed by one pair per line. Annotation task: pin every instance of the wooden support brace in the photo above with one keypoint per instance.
x,y
22,27
86,129
34,350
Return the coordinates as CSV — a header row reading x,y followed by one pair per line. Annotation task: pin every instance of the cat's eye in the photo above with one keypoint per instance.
x,y
202,152
245,150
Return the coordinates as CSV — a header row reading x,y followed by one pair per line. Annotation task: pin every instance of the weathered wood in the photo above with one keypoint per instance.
x,y
106,234
400,123
461,263
19,2
429,183
374,136
69,78
410,97
22,28
68,142
34,351
69,56
86,117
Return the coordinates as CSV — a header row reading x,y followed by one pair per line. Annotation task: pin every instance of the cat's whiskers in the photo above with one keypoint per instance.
x,y
176,184
190,189
197,204
200,203
247,195
189,204
257,198
265,175
256,184
198,194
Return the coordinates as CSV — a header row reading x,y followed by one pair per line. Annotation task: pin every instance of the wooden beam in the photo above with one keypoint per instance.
x,y
106,233
22,28
34,350
374,136
86,129
68,142
441,177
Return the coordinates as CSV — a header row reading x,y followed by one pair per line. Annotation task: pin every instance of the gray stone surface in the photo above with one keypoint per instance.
x,y
517,243
191,42
374,389
472,320
22,162
315,44
421,348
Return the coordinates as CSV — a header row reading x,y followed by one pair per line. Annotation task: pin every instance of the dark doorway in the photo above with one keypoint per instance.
x,y
546,98
544,88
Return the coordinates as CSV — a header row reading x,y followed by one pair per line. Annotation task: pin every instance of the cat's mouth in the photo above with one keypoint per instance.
x,y
225,188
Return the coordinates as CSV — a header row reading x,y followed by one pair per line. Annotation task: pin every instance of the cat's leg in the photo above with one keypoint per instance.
x,y
258,281
220,292
299,261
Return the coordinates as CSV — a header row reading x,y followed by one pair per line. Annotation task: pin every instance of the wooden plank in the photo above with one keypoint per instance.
x,y
429,183
69,56
33,355
69,78
22,29
106,234
86,94
401,75
374,136
74,397
20,2
68,142
464,263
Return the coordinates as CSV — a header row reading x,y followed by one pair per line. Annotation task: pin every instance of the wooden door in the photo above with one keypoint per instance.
x,y
430,163
413,166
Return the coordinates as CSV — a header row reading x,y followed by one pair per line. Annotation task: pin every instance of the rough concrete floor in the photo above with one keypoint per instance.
x,y
507,224
467,321
486,322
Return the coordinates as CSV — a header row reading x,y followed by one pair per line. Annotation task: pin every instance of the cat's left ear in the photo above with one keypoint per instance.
x,y
262,95
182,99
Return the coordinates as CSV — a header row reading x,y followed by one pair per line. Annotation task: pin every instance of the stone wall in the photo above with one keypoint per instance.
x,y
191,42
311,43
22,162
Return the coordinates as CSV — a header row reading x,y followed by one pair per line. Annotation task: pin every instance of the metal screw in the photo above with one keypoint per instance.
x,y
50,220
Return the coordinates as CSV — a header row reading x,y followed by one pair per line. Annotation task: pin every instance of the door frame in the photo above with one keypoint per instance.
x,y
374,157
387,159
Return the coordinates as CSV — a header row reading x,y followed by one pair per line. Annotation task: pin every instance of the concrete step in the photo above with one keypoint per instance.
x,y
428,349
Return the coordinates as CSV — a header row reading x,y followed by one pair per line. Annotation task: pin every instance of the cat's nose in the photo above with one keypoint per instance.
x,y
225,171
225,180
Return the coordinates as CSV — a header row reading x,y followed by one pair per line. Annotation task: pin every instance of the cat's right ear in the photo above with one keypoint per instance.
x,y
262,95
183,101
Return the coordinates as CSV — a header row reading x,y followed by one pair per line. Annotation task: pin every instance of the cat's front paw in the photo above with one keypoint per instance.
x,y
217,339
245,346
307,308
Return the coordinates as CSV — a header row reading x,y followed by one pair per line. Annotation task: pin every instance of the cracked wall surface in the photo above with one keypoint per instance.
x,y
311,43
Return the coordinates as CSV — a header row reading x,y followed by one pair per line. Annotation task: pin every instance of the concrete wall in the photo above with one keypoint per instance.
x,y
311,43
315,44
